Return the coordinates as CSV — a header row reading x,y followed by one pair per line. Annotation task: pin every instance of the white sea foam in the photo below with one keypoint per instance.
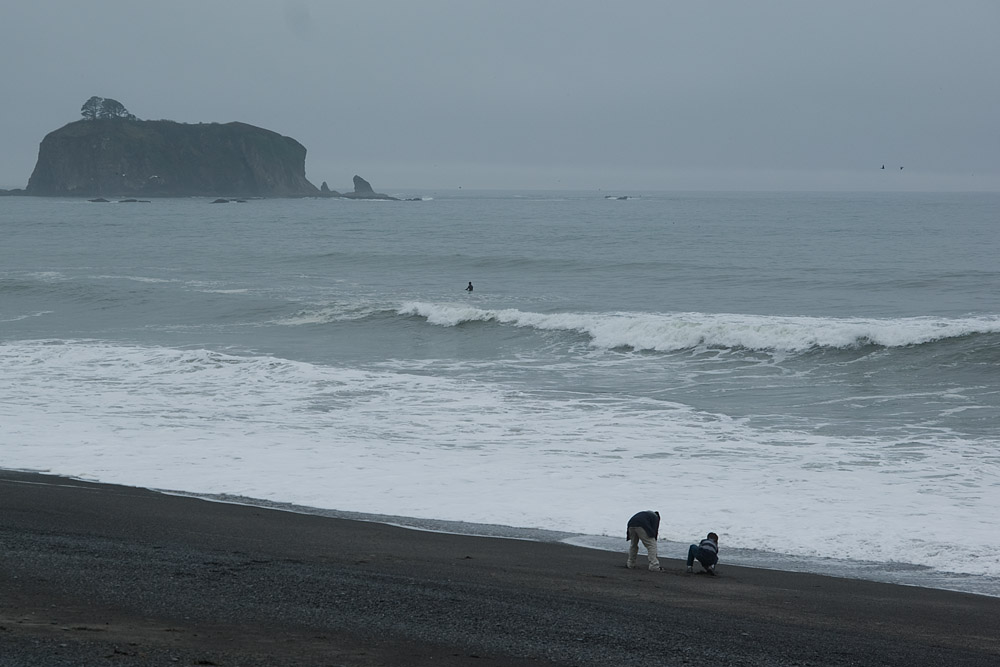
x,y
327,314
680,331
379,441
137,279
47,276
17,318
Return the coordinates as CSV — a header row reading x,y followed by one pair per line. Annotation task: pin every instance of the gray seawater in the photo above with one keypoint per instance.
x,y
834,355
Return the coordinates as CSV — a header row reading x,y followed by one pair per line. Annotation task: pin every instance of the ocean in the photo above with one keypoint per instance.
x,y
813,376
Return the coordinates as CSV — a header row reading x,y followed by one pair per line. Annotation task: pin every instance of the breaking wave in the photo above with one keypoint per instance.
x,y
667,332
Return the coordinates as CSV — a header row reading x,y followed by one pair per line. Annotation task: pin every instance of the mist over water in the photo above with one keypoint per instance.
x,y
811,376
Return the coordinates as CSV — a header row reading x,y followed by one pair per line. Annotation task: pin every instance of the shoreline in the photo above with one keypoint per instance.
x,y
97,574
898,573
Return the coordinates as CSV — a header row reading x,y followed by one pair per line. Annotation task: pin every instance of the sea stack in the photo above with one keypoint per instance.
x,y
128,157
363,190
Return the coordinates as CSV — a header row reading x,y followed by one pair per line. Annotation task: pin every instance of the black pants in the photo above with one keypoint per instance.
x,y
705,557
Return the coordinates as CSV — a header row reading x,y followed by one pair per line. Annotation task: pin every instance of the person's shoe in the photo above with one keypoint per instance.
x,y
630,566
689,569
711,570
655,568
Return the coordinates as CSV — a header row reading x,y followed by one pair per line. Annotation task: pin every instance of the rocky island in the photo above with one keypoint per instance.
x,y
111,153
363,190
121,157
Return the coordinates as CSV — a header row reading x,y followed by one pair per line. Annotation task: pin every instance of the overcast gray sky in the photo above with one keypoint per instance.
x,y
572,94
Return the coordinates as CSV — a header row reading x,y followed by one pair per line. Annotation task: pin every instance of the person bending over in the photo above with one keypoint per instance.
x,y
643,527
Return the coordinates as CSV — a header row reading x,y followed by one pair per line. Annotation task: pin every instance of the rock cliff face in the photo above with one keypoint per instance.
x,y
119,157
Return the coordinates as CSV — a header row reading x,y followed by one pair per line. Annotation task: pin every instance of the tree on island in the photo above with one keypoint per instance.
x,y
90,108
104,108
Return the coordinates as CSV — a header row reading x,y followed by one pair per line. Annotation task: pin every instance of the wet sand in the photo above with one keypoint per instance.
x,y
94,574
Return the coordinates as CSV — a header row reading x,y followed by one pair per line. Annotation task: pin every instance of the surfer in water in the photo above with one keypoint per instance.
x,y
469,288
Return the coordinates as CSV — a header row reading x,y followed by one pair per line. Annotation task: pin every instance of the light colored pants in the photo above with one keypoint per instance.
x,y
635,535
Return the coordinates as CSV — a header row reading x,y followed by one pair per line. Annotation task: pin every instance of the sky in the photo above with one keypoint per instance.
x,y
538,94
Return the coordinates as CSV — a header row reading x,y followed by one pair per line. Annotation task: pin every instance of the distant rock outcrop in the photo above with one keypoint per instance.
x,y
361,186
122,157
363,190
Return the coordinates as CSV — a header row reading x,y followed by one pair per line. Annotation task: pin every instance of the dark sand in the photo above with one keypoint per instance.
x,y
105,575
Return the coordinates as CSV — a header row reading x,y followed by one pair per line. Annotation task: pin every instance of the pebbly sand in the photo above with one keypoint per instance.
x,y
94,574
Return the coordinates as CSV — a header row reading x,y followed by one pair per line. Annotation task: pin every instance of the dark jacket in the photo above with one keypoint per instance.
x,y
648,521
708,552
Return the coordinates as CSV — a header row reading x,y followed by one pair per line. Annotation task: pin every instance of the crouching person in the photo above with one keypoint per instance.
x,y
706,552
643,527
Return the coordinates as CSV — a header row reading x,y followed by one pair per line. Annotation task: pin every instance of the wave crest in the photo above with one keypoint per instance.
x,y
668,332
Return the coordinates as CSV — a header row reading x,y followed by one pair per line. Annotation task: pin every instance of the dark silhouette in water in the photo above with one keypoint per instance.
x,y
469,288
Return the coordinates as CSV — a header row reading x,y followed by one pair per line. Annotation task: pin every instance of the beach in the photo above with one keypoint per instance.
x,y
97,574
